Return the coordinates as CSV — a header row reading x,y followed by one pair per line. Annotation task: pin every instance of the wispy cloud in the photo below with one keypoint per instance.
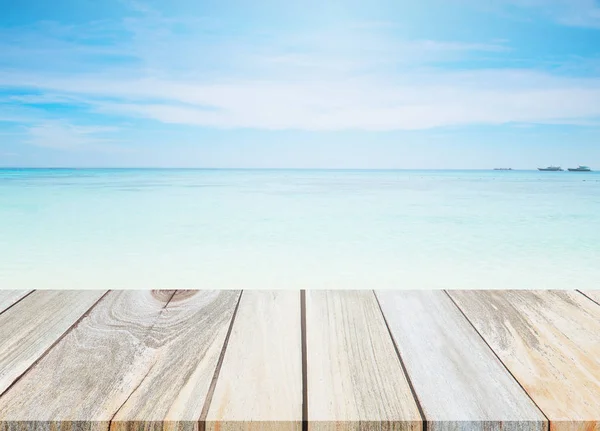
x,y
65,136
409,101
353,77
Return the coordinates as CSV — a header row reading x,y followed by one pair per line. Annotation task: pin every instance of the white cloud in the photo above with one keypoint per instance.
x,y
352,77
65,136
406,102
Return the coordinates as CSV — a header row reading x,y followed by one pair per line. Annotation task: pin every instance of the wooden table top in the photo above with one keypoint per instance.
x,y
290,360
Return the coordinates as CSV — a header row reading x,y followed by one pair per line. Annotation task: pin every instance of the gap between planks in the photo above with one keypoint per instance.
x,y
304,353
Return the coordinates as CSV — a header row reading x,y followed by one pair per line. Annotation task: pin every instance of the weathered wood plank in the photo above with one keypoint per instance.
x,y
143,359
594,295
187,340
10,297
550,341
458,380
355,379
260,381
32,326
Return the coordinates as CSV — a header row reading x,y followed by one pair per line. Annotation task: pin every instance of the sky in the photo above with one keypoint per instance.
x,y
383,84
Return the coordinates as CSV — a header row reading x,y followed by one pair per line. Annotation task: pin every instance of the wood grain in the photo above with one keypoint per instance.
x,y
31,327
10,297
594,295
187,341
144,359
458,380
355,378
550,341
260,381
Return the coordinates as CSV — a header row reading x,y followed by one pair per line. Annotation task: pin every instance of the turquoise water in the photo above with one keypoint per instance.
x,y
200,229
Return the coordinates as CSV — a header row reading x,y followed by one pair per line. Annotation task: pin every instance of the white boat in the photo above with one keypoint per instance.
x,y
551,169
580,169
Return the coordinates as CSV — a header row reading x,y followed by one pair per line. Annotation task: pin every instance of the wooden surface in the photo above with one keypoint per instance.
x,y
437,344
9,297
550,341
286,360
28,330
101,362
354,376
259,386
133,360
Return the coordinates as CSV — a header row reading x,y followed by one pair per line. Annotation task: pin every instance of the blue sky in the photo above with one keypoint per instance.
x,y
334,84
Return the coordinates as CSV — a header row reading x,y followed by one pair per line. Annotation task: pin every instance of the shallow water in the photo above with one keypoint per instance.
x,y
200,229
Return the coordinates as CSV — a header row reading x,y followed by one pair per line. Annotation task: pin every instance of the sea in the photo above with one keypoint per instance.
x,y
298,229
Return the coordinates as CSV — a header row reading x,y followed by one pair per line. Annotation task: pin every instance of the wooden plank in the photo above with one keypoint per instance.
x,y
550,341
259,386
141,359
10,297
594,295
458,380
354,377
32,326
188,340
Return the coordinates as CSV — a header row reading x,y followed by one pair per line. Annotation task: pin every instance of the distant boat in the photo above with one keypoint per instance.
x,y
580,169
551,169
503,169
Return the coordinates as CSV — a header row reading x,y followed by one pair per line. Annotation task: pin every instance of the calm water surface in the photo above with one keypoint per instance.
x,y
201,229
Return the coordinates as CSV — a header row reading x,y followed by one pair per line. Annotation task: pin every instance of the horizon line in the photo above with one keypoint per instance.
x,y
253,168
